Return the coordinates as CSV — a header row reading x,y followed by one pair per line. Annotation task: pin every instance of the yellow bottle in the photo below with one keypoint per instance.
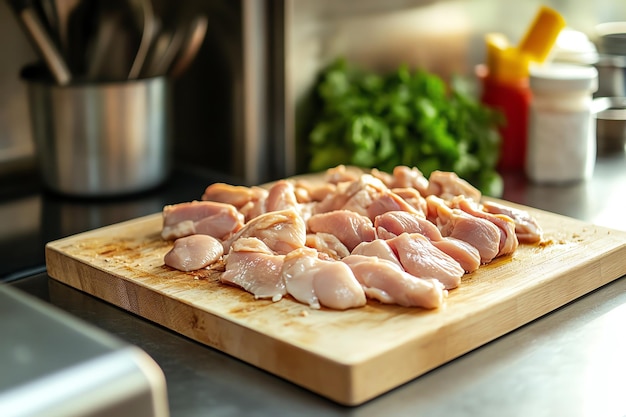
x,y
505,81
542,34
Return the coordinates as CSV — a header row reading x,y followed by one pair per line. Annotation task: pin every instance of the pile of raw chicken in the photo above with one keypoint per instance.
x,y
398,238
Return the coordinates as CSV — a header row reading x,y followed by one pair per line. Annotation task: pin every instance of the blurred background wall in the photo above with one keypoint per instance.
x,y
242,105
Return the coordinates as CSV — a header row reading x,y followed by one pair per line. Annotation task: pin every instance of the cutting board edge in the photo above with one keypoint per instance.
x,y
135,295
507,324
340,388
348,386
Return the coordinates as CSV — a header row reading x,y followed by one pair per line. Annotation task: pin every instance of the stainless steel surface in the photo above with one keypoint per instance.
x,y
612,37
55,365
30,216
253,157
599,200
610,124
101,139
611,76
570,362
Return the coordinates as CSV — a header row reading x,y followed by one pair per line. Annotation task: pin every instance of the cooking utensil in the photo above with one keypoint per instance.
x,y
109,21
100,139
114,42
158,45
82,24
155,53
46,10
64,9
43,42
166,47
148,25
190,47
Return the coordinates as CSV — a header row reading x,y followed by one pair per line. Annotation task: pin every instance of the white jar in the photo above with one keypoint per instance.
x,y
561,134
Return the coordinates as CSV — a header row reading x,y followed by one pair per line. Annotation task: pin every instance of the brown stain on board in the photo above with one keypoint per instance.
x,y
208,280
130,254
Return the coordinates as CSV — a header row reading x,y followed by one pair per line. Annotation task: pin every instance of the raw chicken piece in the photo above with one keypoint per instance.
x,y
465,254
253,209
371,197
405,177
508,239
236,195
282,231
526,227
335,200
281,196
340,173
378,248
350,228
385,177
389,201
480,233
367,196
385,281
316,282
200,217
327,244
394,223
253,266
412,197
250,201
336,286
419,257
447,185
194,252
297,273
306,210
307,192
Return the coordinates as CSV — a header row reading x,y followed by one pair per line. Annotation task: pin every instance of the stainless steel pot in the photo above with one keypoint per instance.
x,y
100,139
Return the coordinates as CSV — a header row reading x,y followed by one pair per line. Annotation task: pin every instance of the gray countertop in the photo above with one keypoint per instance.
x,y
571,362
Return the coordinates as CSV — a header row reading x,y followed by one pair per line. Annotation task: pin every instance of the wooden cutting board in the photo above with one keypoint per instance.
x,y
347,356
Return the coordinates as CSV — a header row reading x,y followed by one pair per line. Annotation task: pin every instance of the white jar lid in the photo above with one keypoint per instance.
x,y
574,47
563,77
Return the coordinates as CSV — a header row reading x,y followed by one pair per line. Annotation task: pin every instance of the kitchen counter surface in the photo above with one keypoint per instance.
x,y
569,362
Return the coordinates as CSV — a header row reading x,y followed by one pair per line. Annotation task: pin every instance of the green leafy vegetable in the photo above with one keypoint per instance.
x,y
404,118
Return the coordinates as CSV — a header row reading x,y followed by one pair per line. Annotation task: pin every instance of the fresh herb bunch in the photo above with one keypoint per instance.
x,y
404,118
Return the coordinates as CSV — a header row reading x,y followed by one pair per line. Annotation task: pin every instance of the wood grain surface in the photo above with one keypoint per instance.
x,y
347,356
